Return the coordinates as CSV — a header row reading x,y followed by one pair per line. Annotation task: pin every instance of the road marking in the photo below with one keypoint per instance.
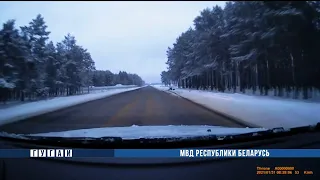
x,y
122,112
149,109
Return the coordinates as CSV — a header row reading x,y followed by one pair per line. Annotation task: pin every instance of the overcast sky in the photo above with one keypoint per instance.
x,y
129,36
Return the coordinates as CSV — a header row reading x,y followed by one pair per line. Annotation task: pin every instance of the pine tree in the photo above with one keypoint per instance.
x,y
32,67
250,46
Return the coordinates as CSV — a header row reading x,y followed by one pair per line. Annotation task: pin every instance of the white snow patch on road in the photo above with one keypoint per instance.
x,y
23,111
262,111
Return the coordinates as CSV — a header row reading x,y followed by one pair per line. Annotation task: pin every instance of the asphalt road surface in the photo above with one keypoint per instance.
x,y
145,106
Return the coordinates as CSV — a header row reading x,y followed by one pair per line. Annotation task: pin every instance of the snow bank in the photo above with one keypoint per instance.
x,y
261,111
27,110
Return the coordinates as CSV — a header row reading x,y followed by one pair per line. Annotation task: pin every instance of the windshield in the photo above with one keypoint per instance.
x,y
158,69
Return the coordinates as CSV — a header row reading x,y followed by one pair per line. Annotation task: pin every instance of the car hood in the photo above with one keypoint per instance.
x,y
136,132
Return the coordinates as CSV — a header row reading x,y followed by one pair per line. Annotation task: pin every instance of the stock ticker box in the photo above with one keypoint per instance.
x,y
51,153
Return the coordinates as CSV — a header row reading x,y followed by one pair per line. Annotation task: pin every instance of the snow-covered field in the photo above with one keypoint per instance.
x,y
27,110
261,111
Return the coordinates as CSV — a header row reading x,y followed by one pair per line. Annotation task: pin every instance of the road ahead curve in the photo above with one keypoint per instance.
x,y
145,106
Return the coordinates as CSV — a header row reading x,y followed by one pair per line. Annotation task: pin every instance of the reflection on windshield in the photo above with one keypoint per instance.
x,y
240,67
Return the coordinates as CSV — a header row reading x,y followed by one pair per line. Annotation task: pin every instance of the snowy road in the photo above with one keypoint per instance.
x,y
144,106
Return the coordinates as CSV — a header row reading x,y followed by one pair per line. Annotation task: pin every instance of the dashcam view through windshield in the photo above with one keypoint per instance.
x,y
227,66
157,70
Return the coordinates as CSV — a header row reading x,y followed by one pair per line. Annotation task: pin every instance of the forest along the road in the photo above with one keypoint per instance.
x,y
145,106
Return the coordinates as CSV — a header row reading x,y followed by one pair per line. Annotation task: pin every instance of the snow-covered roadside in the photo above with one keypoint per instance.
x,y
27,110
260,111
84,91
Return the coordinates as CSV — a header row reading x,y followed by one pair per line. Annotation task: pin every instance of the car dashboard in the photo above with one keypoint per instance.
x,y
166,168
